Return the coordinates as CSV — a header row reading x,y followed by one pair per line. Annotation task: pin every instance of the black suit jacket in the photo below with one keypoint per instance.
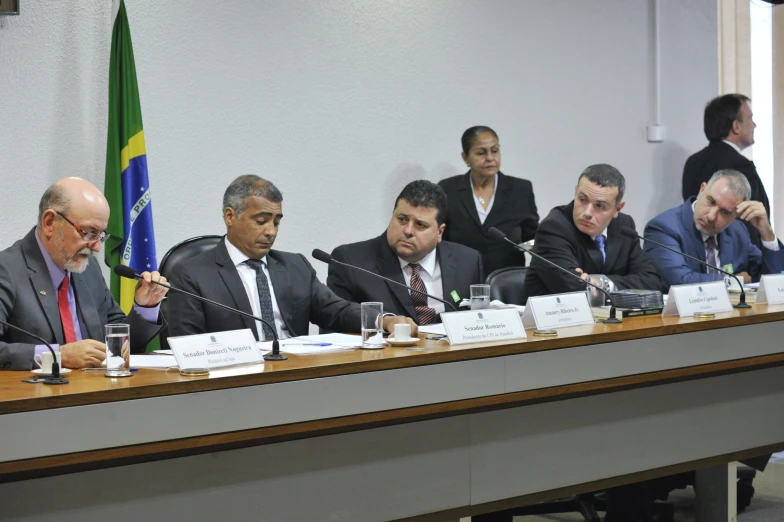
x,y
717,156
560,241
301,297
27,300
513,212
461,267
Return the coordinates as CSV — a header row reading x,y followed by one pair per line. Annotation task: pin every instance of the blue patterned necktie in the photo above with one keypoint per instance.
x,y
265,299
600,243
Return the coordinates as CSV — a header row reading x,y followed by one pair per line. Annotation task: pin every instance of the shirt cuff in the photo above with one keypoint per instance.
x,y
148,314
41,348
772,245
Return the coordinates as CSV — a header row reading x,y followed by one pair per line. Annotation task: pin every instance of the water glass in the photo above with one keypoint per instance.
x,y
595,297
372,325
118,350
480,297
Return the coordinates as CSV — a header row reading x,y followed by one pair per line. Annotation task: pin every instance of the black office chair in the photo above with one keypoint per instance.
x,y
506,284
178,254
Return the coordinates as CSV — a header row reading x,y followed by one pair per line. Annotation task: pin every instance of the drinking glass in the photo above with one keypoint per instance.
x,y
372,325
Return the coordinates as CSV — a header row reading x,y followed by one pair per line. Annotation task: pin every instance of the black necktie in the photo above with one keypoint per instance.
x,y
265,299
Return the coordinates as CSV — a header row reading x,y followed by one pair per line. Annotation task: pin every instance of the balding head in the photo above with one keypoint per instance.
x,y
73,193
83,205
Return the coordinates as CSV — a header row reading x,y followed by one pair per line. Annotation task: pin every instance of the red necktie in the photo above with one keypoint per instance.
x,y
65,312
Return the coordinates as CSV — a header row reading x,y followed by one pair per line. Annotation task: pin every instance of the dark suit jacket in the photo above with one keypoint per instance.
x,y
461,267
513,212
675,228
560,241
301,297
27,300
717,156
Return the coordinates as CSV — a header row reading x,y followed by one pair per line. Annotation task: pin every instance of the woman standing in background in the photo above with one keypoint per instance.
x,y
483,198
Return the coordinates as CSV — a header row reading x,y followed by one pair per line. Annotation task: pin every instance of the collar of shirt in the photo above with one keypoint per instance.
x,y
55,272
732,145
495,186
428,263
237,257
603,233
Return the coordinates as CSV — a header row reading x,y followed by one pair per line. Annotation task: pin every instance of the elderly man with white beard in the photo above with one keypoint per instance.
x,y
52,286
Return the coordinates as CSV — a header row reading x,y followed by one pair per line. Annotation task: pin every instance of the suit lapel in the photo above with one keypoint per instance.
x,y
612,247
88,312
466,196
231,278
282,286
389,266
696,246
726,252
502,195
41,282
448,266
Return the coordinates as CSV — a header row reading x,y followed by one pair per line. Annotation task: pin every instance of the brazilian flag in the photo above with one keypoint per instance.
x,y
126,184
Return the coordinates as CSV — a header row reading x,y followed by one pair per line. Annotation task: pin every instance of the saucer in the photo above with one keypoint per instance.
x,y
411,341
39,371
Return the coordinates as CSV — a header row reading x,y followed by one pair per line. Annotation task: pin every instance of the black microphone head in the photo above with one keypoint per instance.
x,y
496,234
322,256
629,232
125,271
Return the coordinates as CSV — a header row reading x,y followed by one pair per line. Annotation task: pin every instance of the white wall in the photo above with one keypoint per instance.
x,y
341,103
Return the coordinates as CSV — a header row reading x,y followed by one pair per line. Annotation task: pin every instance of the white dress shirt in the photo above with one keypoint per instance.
x,y
248,277
430,274
479,209
733,146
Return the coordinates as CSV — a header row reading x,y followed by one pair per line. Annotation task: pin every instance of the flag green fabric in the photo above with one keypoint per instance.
x,y
126,184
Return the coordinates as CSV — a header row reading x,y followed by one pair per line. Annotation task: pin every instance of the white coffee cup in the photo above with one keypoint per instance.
x,y
44,361
402,332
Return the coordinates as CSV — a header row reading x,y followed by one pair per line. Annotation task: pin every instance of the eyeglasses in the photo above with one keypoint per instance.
x,y
89,237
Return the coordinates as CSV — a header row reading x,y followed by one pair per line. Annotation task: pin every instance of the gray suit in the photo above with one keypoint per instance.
x,y
301,297
27,300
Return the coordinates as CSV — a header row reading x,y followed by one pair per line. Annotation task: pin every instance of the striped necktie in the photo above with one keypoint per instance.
x,y
425,314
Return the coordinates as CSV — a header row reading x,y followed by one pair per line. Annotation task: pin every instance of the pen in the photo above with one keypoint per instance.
x,y
307,344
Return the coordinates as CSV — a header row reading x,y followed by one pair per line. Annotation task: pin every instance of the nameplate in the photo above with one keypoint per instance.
x,y
216,350
771,290
547,312
478,326
687,300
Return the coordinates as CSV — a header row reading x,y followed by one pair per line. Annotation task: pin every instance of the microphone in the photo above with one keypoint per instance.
x,y
274,355
320,255
497,234
626,231
55,378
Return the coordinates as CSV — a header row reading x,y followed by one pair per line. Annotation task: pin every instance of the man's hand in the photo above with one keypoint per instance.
x,y
391,320
86,353
745,277
147,293
754,213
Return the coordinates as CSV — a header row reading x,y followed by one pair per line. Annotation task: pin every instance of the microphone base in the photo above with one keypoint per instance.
x,y
275,357
611,320
741,305
55,380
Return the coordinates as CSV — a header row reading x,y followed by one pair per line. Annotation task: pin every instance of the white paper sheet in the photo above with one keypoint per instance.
x,y
297,346
153,361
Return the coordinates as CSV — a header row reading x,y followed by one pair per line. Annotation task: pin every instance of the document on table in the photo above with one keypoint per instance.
x,y
153,361
434,329
313,344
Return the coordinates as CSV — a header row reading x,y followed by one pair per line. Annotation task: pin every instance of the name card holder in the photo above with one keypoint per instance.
x,y
557,311
698,298
771,290
477,326
216,350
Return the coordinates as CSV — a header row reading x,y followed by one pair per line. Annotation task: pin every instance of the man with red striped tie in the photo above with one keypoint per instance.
x,y
410,251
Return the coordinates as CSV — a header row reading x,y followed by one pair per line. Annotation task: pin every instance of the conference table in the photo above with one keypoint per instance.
x,y
436,433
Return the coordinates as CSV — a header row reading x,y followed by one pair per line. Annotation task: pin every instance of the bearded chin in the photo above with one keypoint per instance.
x,y
77,266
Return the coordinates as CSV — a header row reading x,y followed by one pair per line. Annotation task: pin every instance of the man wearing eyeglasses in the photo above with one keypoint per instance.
x,y
51,285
